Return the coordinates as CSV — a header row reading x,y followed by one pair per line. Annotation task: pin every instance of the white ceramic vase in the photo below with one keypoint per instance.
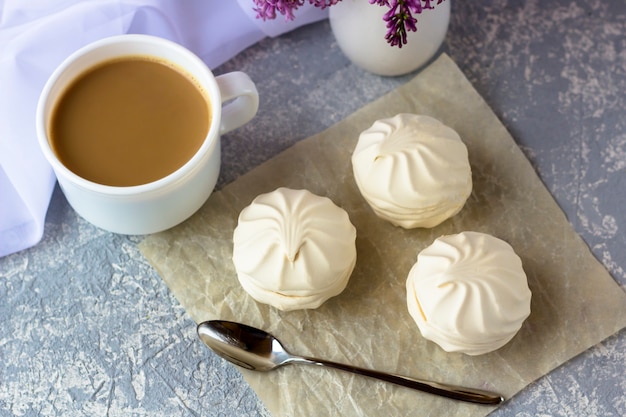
x,y
360,32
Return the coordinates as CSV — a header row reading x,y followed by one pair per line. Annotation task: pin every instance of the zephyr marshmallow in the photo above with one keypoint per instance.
x,y
468,293
412,170
293,249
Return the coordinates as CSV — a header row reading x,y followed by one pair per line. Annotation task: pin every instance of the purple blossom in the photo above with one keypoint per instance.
x,y
399,18
266,9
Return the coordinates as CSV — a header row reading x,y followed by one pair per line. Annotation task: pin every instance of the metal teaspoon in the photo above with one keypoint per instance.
x,y
258,350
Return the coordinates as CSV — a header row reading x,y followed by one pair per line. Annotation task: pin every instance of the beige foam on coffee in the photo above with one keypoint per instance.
x,y
129,121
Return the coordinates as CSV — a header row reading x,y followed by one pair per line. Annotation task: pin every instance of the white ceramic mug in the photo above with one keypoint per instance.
x,y
164,203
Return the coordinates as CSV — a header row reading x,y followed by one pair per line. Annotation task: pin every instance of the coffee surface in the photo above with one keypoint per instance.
x,y
129,121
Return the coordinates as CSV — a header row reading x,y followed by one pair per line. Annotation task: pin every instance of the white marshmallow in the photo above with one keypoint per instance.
x,y
468,293
293,249
412,170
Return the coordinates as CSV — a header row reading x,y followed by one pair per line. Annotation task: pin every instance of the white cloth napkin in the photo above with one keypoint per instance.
x,y
35,37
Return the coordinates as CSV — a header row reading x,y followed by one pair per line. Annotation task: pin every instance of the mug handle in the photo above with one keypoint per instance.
x,y
240,100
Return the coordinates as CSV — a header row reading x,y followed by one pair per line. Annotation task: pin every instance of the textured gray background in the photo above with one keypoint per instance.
x,y
88,328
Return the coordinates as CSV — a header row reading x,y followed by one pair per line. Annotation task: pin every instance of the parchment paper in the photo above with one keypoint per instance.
x,y
575,303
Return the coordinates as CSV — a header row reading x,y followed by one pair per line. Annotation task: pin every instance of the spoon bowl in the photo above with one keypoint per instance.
x,y
255,349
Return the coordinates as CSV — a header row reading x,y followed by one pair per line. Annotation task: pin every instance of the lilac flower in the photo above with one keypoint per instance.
x,y
267,9
400,18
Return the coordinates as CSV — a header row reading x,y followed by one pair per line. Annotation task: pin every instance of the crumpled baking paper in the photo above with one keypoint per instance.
x,y
575,303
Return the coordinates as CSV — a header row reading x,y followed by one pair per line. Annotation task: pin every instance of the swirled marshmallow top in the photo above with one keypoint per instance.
x,y
412,170
468,293
293,249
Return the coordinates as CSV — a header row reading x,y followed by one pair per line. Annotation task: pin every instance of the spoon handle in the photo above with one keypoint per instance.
x,y
446,390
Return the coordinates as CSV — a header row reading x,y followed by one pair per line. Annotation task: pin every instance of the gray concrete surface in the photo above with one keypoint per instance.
x,y
87,327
